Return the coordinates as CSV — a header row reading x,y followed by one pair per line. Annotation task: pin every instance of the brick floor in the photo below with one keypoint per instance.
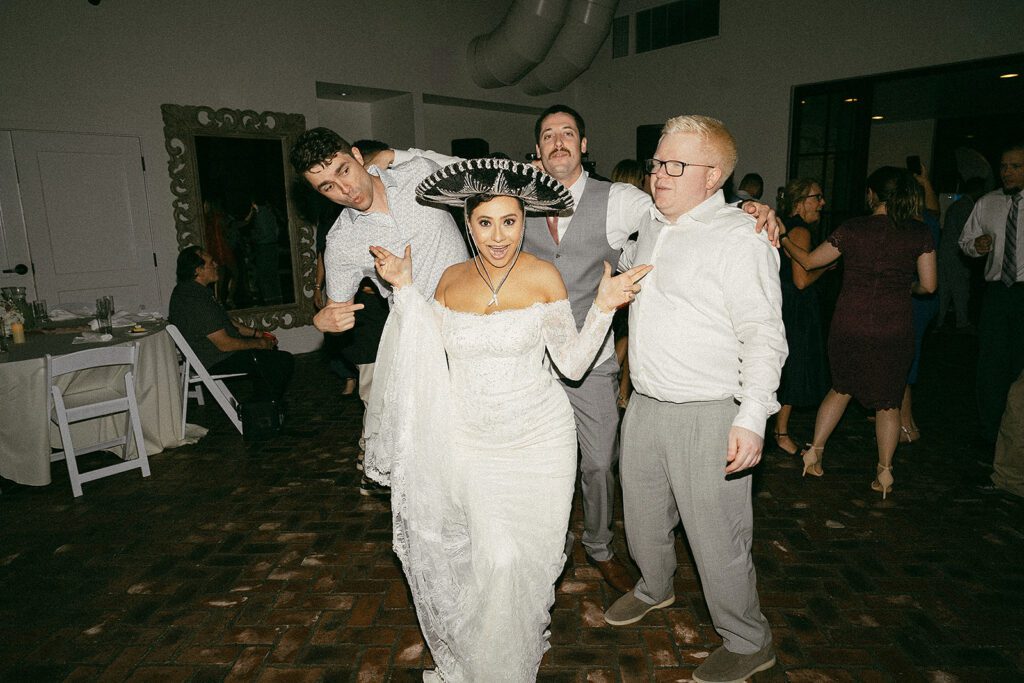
x,y
264,563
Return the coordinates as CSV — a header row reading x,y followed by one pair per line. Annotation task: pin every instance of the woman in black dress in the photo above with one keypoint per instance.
x,y
887,256
805,375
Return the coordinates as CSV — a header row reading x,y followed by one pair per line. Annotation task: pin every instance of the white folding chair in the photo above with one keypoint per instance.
x,y
86,405
194,376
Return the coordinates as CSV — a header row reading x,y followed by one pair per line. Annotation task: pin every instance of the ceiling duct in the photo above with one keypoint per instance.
x,y
583,33
519,43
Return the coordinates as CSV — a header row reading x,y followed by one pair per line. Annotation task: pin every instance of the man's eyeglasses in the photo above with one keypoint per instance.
x,y
672,167
813,196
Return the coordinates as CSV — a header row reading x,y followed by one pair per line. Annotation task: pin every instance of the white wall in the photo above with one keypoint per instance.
x,y
355,118
746,75
506,132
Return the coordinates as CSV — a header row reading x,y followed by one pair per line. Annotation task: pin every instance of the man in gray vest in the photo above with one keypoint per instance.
x,y
579,243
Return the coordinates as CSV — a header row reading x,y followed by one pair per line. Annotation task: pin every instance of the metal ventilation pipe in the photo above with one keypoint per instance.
x,y
584,31
519,43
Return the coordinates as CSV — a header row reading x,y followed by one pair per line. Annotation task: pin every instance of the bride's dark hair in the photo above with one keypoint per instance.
x,y
477,199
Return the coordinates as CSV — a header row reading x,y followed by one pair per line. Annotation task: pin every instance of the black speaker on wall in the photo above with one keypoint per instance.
x,y
471,148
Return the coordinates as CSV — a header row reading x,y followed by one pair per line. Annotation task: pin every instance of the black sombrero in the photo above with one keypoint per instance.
x,y
453,184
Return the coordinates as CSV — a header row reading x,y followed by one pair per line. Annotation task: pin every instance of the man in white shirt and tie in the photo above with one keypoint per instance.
x,y
706,348
996,229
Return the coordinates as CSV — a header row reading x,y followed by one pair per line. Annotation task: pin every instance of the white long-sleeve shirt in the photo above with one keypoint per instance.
x,y
707,323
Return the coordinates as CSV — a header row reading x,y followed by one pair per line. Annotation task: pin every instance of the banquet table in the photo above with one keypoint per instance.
x,y
26,432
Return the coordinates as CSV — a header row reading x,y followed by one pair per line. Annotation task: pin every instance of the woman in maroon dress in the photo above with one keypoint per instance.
x,y
887,256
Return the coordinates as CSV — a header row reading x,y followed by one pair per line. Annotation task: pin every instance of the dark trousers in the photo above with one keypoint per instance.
x,y
269,369
1000,351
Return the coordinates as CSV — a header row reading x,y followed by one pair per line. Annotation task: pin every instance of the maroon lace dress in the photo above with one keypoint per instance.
x,y
871,341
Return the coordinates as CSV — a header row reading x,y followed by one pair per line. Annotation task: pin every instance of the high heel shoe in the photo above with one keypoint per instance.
x,y
812,460
909,434
779,435
883,480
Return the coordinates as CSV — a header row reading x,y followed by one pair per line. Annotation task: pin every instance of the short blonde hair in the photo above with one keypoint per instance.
x,y
715,136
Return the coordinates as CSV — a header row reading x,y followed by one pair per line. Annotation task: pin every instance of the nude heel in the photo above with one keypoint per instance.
x,y
812,460
883,480
909,434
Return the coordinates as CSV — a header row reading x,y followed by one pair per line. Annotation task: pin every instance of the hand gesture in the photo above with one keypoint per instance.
x,y
336,316
614,292
744,450
396,271
766,220
380,159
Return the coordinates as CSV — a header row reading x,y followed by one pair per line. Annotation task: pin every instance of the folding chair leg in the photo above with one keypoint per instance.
x,y
69,455
184,397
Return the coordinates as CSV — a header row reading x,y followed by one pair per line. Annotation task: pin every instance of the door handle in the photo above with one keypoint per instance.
x,y
20,269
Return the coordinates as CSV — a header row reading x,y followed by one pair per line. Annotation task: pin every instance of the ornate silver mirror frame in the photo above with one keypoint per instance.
x,y
182,124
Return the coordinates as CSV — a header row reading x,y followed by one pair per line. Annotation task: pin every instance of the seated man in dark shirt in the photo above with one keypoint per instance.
x,y
223,346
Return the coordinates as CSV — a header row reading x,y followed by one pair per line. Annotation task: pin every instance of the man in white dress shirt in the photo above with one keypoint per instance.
x,y
380,210
996,229
706,348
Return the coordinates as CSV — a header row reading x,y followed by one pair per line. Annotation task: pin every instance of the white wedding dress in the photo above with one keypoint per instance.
x,y
478,444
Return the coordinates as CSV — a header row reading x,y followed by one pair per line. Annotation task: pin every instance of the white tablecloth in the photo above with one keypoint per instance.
x,y
26,433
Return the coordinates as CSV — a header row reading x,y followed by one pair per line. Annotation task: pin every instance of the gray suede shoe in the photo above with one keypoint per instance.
x,y
630,609
723,666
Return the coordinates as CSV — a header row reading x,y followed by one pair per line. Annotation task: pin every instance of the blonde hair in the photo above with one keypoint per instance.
x,y
715,136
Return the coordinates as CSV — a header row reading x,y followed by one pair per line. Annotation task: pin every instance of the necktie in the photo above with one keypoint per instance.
x,y
553,226
1009,271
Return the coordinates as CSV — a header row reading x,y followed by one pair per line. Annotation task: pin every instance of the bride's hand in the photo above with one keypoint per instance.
x,y
614,292
396,271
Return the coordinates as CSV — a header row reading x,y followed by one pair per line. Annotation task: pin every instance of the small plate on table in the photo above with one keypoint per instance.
x,y
136,331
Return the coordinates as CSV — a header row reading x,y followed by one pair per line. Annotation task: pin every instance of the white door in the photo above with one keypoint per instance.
x,y
86,216
15,263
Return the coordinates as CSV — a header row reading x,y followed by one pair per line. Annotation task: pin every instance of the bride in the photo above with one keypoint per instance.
x,y
471,431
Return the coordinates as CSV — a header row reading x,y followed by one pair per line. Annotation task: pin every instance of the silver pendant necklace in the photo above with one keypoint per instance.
x,y
482,271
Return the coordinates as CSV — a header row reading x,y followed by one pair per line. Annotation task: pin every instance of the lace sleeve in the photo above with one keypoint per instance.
x,y
410,365
574,352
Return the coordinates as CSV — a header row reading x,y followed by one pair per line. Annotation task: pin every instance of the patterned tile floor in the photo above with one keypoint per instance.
x,y
235,562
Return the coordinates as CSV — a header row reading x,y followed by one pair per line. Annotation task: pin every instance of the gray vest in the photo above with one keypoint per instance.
x,y
583,250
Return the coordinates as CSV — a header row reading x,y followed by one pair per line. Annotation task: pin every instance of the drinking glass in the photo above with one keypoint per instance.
x,y
40,311
103,315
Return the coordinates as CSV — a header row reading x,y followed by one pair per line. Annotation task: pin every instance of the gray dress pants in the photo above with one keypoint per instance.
x,y
673,467
597,424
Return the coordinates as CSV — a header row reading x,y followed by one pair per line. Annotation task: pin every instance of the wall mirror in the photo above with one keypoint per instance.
x,y
233,195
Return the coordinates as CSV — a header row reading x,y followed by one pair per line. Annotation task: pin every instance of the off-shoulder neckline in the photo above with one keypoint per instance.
x,y
504,310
